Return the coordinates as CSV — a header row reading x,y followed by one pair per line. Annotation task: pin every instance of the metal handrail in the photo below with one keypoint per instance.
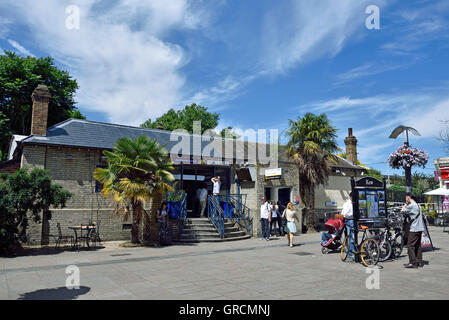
x,y
216,214
241,212
183,213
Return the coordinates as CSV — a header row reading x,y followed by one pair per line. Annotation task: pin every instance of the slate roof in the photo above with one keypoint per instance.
x,y
98,135
79,133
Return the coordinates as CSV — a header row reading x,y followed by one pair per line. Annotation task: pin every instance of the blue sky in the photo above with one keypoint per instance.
x,y
257,63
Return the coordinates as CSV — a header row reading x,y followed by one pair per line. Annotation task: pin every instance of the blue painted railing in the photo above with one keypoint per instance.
x,y
216,214
241,213
229,206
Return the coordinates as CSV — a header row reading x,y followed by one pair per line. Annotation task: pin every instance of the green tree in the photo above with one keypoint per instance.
x,y
137,171
183,119
18,78
24,195
375,174
312,144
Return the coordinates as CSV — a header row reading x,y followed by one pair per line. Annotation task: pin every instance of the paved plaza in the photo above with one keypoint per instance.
x,y
247,269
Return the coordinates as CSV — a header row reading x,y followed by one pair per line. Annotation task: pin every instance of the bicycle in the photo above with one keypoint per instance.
x,y
390,244
368,250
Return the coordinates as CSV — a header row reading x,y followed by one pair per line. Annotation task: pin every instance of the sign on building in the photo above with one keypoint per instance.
x,y
271,174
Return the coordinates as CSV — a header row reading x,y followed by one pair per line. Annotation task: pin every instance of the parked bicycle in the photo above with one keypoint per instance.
x,y
391,239
368,249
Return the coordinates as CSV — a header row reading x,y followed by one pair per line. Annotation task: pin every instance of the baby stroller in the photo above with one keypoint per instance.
x,y
331,240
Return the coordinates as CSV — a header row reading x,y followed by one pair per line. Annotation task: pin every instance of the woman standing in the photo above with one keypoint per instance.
x,y
274,216
290,215
162,221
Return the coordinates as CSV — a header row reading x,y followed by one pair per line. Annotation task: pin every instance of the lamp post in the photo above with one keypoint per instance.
x,y
408,170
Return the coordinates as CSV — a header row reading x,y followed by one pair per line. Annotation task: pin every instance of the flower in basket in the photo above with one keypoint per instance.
x,y
405,157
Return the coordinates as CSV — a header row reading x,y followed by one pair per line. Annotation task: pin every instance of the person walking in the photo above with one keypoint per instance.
x,y
290,215
265,219
412,210
348,214
282,221
202,197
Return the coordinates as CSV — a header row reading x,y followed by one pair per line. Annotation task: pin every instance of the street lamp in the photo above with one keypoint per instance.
x,y
408,170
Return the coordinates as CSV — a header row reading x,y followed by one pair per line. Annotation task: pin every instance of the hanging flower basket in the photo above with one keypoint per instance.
x,y
405,157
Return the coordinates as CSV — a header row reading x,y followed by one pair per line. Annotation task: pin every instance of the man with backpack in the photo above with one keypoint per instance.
x,y
413,212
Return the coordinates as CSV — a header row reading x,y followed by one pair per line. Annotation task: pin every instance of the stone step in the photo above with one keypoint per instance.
x,y
197,240
211,234
209,228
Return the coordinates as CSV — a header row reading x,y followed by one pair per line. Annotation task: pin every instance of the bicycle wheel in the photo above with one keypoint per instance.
x,y
384,249
344,248
397,245
370,252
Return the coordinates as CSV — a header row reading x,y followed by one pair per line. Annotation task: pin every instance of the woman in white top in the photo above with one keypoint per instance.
x,y
290,215
275,217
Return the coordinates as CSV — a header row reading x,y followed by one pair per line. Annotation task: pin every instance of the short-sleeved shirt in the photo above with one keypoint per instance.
x,y
414,212
347,210
216,189
274,211
202,195
163,215
265,210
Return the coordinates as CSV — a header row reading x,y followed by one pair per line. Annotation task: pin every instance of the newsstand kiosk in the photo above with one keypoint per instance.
x,y
369,204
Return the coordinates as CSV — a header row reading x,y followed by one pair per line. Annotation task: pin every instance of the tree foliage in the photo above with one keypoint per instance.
x,y
23,196
183,119
18,78
137,171
312,144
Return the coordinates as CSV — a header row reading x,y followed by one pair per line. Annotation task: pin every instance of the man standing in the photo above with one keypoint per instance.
x,y
217,184
265,219
412,210
202,197
347,213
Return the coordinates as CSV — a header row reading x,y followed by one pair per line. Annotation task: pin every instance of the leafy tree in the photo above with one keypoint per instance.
x,y
183,119
24,193
312,144
18,78
137,171
375,174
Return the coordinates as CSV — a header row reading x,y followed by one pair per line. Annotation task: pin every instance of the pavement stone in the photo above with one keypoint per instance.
x,y
242,270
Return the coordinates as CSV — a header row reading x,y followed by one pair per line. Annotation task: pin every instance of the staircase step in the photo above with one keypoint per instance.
x,y
191,240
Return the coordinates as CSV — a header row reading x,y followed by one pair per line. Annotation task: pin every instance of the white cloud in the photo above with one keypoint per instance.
x,y
378,115
124,66
20,48
365,70
308,30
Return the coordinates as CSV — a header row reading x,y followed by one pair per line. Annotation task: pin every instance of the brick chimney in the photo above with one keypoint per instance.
x,y
351,147
41,97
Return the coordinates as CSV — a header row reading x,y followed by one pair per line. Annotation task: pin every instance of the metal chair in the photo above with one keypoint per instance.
x,y
95,233
60,237
85,234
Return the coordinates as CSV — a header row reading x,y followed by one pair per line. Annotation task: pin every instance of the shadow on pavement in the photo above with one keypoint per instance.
x,y
21,252
61,293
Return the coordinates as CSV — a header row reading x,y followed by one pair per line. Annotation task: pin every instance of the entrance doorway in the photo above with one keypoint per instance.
x,y
282,194
191,177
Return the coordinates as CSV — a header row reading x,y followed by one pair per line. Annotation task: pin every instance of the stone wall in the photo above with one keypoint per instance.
x,y
254,191
73,170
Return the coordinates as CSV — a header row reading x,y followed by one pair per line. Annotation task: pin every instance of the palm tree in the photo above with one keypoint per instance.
x,y
138,170
312,144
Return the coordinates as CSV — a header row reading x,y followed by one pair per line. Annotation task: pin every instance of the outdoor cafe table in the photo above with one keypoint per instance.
x,y
88,228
